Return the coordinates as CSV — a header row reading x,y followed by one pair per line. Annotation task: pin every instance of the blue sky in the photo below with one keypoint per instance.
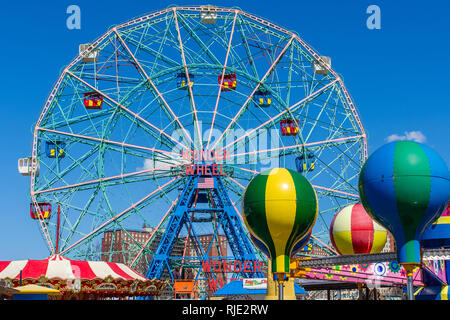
x,y
398,76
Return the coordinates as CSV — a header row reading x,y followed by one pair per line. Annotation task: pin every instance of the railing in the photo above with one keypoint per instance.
x,y
428,254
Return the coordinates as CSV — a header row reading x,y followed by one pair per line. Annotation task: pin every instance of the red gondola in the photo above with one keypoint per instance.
x,y
44,207
289,127
93,100
229,82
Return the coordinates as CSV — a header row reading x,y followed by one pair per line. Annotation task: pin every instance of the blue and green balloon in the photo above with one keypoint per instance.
x,y
405,186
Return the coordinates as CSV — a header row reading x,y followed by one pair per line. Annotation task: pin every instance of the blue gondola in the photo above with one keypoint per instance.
x,y
262,98
182,80
55,149
307,164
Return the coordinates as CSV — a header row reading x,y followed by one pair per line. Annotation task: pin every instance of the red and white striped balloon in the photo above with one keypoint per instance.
x,y
353,231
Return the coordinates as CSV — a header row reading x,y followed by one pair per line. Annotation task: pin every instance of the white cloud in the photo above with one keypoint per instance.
x,y
416,136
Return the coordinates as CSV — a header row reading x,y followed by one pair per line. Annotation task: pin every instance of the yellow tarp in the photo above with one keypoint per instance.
x,y
32,288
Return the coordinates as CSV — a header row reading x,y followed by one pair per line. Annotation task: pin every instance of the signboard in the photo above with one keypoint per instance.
x,y
257,283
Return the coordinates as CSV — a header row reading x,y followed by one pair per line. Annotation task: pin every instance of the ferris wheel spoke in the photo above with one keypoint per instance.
x,y
110,207
349,144
191,95
160,36
155,129
121,144
354,112
74,227
247,49
57,177
231,125
117,178
293,148
339,182
233,186
322,110
158,94
144,20
55,169
150,239
156,54
138,245
264,50
252,29
236,182
80,119
347,184
323,244
344,89
140,175
291,109
336,193
222,77
50,183
348,156
139,204
165,39
253,172
334,129
320,189
185,25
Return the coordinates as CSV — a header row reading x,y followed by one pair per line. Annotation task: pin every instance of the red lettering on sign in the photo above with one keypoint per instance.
x,y
234,267
246,264
257,266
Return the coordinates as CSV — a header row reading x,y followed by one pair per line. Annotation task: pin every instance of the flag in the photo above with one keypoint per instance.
x,y
205,183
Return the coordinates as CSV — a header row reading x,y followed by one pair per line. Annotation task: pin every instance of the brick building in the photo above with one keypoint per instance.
x,y
123,245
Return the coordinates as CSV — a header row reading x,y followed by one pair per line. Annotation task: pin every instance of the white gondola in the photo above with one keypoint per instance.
x,y
319,68
89,57
208,14
25,166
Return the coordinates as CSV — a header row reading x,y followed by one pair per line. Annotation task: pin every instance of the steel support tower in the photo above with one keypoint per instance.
x,y
204,200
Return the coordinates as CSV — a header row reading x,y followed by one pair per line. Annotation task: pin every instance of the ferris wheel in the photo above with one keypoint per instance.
x,y
109,148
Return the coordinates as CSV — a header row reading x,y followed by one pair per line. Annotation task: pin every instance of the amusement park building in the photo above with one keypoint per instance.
x,y
390,243
218,248
319,251
123,244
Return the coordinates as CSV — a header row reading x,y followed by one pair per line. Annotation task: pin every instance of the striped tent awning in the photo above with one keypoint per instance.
x,y
60,267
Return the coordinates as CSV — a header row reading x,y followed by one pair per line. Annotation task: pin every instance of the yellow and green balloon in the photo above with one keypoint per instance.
x,y
280,207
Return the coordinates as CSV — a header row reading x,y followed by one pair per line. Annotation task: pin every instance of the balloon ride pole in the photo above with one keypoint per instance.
x,y
280,278
280,290
409,267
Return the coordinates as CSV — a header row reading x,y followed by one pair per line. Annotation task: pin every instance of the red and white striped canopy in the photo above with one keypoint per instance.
x,y
60,267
